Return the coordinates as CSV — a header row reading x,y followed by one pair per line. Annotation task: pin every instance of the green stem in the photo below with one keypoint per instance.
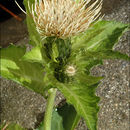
x,y
49,109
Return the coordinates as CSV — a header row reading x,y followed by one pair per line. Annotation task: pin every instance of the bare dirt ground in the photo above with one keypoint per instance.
x,y
26,107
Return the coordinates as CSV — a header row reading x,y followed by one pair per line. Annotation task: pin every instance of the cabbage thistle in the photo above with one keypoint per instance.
x,y
64,18
73,44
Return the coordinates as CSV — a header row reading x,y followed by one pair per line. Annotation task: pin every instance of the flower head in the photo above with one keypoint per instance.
x,y
70,70
64,18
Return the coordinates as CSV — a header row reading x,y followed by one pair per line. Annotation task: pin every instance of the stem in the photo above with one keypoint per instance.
x,y
49,109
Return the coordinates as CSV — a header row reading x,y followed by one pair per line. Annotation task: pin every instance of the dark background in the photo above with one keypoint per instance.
x,y
11,29
11,5
108,6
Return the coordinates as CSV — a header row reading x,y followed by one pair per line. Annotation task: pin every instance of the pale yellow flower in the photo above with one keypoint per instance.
x,y
64,18
70,70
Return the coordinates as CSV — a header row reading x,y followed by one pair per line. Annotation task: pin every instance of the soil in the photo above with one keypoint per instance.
x,y
26,107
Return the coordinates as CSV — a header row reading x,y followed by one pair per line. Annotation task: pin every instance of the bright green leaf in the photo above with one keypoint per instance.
x,y
83,98
34,55
108,54
88,79
80,92
96,44
88,59
88,50
30,75
103,35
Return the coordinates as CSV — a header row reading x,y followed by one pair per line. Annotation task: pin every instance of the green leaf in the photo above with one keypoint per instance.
x,y
84,78
30,75
11,126
101,36
96,44
70,116
56,123
35,38
90,64
15,127
34,55
108,54
88,59
80,92
83,98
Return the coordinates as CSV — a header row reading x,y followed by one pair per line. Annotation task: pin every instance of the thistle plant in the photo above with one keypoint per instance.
x,y
68,38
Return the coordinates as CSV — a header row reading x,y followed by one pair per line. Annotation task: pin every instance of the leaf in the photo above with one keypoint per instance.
x,y
69,115
88,50
38,55
30,75
56,123
33,34
84,100
84,78
15,127
34,55
80,92
11,126
101,36
108,54
88,59
96,44
90,64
